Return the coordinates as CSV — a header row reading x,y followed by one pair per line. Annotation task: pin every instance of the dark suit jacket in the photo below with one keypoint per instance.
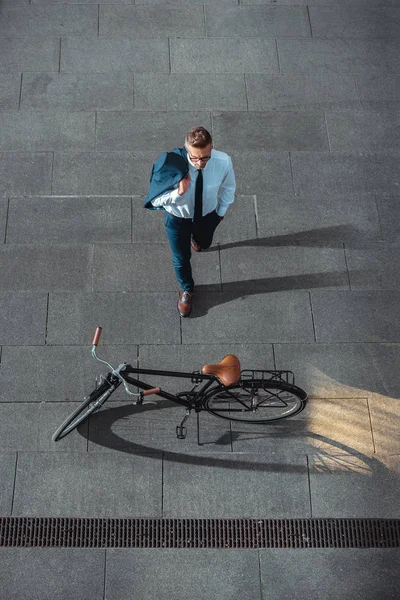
x,y
167,171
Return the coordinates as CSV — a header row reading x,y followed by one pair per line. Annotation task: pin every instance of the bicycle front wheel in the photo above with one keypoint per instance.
x,y
90,404
257,401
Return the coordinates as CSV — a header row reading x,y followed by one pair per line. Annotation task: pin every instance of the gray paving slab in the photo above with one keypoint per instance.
x,y
3,217
149,131
10,85
342,370
25,173
351,486
253,21
81,91
147,225
242,316
205,487
29,427
61,220
189,2
29,54
192,357
7,476
39,268
364,130
271,131
374,267
385,420
301,92
88,485
136,430
177,573
286,218
224,55
324,429
273,166
344,173
389,211
124,317
200,91
266,269
43,573
356,316
23,318
378,88
91,55
292,2
239,223
151,21
338,56
47,130
332,573
102,173
58,374
135,273
21,21
357,22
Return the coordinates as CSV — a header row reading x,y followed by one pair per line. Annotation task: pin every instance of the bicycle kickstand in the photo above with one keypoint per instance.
x,y
181,429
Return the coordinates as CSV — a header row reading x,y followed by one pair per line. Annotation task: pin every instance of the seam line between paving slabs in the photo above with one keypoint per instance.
x,y
312,317
105,574
379,218
20,92
347,266
309,21
277,56
259,573
47,318
98,20
59,56
370,424
52,175
6,223
291,172
169,55
245,92
14,484
309,485
327,133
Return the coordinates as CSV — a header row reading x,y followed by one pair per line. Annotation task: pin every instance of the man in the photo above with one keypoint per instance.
x,y
196,206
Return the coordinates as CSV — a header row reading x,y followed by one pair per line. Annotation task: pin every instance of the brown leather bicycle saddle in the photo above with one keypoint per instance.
x,y
227,371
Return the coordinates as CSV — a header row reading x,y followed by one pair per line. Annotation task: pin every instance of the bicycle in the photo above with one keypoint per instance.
x,y
250,396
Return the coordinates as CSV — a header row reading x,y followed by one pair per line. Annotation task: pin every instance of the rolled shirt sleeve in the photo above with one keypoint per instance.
x,y
166,199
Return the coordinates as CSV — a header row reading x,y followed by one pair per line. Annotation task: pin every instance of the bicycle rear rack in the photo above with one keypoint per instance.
x,y
248,375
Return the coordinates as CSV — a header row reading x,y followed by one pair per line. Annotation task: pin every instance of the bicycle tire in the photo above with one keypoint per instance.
x,y
90,404
273,401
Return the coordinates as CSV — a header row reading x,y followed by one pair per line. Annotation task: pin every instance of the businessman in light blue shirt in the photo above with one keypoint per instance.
x,y
196,207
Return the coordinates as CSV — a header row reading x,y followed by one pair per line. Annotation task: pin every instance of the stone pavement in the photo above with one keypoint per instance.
x,y
304,275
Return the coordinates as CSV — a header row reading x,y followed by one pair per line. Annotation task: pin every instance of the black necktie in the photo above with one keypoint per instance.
x,y
198,197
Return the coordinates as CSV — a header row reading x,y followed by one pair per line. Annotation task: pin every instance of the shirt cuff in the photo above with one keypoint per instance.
x,y
221,211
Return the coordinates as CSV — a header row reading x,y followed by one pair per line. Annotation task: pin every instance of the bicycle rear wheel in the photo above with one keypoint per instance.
x,y
90,404
257,401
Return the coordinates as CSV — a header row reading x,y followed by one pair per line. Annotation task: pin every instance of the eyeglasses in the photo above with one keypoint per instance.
x,y
199,159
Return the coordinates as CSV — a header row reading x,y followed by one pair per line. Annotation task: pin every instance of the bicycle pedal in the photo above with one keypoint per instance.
x,y
180,432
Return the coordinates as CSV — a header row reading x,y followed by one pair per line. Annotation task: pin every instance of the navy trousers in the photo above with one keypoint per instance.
x,y
179,232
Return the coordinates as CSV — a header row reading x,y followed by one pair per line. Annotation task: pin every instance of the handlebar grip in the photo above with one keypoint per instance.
x,y
156,390
97,335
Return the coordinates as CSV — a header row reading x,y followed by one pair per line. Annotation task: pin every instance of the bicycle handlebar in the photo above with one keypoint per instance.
x,y
97,335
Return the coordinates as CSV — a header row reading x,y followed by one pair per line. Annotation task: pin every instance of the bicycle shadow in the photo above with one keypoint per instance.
x,y
104,432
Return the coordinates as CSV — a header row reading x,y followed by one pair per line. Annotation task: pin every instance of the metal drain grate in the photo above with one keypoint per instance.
x,y
198,533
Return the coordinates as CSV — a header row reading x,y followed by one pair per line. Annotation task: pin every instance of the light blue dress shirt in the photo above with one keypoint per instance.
x,y
218,189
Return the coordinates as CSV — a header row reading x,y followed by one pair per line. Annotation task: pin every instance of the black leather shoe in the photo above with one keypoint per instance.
x,y
185,303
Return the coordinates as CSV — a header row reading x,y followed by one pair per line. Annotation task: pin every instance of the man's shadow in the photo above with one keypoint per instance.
x,y
210,295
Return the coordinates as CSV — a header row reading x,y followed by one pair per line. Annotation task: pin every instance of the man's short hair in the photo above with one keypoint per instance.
x,y
198,137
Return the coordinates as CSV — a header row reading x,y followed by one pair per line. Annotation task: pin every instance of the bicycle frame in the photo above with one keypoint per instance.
x,y
195,378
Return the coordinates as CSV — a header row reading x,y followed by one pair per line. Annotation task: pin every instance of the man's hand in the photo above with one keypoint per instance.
x,y
184,185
